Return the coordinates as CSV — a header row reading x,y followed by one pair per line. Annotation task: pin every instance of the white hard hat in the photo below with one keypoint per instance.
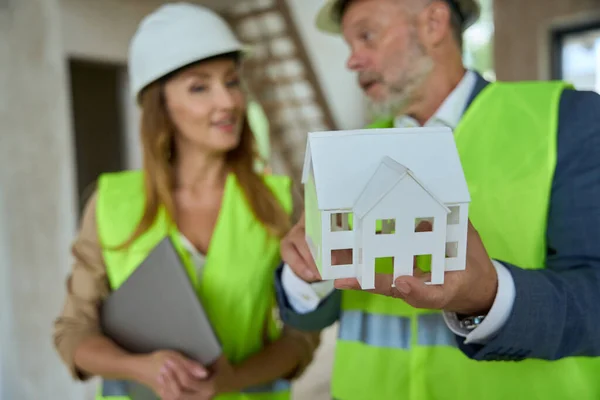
x,y
173,36
329,18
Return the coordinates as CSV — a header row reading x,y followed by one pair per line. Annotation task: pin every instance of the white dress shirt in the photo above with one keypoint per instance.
x,y
305,297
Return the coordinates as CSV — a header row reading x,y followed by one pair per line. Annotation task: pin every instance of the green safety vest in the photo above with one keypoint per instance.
x,y
387,349
240,247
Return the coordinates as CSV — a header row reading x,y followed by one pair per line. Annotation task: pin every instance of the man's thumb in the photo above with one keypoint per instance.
x,y
416,293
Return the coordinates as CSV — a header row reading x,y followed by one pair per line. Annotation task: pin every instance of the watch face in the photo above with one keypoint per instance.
x,y
471,323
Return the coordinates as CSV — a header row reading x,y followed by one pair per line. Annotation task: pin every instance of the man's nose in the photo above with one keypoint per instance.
x,y
356,62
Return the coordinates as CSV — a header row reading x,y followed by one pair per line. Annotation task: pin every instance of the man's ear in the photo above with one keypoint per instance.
x,y
435,24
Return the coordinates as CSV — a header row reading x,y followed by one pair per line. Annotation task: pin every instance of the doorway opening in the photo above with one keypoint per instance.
x,y
98,121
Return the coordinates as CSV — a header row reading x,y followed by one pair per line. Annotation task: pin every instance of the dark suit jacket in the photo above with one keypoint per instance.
x,y
556,312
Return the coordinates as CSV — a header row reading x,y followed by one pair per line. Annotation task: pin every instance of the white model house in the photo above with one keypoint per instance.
x,y
367,192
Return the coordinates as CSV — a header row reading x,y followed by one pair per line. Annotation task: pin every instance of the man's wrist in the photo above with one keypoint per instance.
x,y
494,319
483,297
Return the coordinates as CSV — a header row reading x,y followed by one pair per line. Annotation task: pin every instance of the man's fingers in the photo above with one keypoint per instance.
x,y
292,257
383,284
415,292
310,267
295,252
297,263
421,275
346,283
381,281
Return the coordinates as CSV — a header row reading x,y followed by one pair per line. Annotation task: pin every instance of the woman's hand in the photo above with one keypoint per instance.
x,y
173,376
221,381
224,376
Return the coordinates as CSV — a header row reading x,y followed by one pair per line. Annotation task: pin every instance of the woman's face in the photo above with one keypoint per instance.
x,y
207,106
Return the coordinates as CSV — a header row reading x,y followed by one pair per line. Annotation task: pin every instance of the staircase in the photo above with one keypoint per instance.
x,y
281,78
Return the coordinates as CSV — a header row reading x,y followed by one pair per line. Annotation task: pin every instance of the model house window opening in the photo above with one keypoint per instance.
x,y
424,224
341,257
385,226
340,221
454,215
451,249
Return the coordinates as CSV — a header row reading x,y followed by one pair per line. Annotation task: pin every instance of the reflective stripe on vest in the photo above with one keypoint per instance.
x,y
393,331
111,388
433,331
117,388
277,386
120,206
507,145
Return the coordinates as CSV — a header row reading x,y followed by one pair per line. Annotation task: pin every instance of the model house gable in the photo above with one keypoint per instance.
x,y
387,175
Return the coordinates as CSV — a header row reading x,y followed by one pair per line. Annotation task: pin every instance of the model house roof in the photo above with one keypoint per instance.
x,y
344,161
387,175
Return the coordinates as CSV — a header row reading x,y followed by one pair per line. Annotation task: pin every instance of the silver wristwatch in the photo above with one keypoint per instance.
x,y
471,322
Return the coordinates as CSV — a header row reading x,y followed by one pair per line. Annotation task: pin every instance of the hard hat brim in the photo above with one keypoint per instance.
x,y
328,20
242,49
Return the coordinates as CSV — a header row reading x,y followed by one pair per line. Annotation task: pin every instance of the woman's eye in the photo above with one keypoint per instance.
x,y
198,88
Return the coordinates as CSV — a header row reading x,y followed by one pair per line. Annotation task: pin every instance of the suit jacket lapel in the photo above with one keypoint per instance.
x,y
480,83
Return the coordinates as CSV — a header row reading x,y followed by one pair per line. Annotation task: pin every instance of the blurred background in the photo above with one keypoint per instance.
x,y
66,117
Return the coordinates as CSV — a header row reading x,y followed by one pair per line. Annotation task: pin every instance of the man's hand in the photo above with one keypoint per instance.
x,y
295,252
470,292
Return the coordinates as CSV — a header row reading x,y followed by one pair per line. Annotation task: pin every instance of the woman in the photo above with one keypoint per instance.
x,y
197,187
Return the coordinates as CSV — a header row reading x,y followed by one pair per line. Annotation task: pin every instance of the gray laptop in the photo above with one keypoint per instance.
x,y
156,308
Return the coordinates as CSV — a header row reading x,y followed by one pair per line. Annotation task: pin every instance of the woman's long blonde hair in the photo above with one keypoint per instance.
x,y
157,137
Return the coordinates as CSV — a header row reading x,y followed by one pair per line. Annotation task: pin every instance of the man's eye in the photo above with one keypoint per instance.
x,y
233,83
366,36
198,88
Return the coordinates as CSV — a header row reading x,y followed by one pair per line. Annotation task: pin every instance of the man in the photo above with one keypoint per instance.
x,y
531,288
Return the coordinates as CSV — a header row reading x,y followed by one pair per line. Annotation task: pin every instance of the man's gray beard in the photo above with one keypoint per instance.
x,y
389,108
403,96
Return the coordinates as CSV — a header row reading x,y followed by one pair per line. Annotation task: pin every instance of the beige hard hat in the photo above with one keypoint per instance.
x,y
176,35
328,18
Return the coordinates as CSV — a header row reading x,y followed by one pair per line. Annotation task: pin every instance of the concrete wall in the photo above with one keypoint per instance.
x,y
36,181
522,30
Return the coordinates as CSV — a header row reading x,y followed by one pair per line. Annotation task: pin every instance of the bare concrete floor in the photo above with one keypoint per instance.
x,y
315,383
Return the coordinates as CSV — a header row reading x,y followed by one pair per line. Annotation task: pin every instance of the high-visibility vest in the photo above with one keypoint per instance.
x,y
241,250
389,350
